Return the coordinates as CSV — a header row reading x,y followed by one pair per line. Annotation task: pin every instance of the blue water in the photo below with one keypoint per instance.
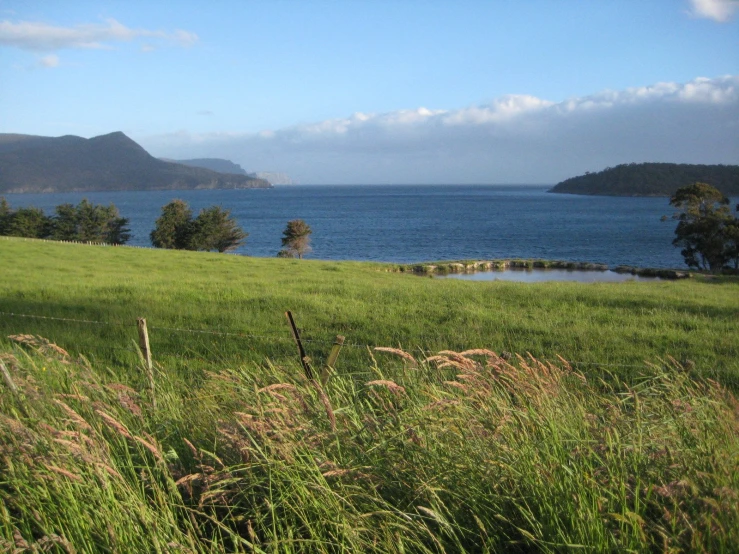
x,y
422,223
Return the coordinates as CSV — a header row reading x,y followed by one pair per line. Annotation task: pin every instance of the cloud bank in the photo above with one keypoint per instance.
x,y
513,139
42,37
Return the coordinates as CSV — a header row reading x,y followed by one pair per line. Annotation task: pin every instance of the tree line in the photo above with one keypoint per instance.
x,y
84,222
212,229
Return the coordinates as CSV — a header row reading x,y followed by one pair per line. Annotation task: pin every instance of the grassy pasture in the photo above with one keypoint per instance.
x,y
235,451
596,325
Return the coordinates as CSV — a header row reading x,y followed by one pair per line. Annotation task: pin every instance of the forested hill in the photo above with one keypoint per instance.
x,y
110,162
651,179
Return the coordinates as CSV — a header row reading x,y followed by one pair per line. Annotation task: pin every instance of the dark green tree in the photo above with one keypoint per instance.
x,y
215,229
5,213
89,222
704,228
116,227
64,223
296,239
174,228
732,243
27,222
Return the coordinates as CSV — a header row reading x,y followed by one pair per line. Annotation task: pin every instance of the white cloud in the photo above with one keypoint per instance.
x,y
52,60
718,10
37,36
514,139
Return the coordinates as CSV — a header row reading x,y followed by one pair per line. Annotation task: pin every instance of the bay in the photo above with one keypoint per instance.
x,y
416,223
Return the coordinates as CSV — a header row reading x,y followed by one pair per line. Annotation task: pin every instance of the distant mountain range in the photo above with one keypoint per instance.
x,y
651,179
106,163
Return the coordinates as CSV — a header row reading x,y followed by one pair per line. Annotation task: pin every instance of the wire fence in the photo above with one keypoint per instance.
x,y
284,338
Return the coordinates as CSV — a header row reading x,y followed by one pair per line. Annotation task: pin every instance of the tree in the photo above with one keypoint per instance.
x,y
5,213
174,227
705,228
26,222
215,229
89,222
116,227
64,223
296,239
732,234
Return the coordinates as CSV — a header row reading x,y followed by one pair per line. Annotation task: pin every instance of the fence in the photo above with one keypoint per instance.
x,y
144,348
88,243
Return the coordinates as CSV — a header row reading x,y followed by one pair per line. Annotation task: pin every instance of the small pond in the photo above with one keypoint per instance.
x,y
541,275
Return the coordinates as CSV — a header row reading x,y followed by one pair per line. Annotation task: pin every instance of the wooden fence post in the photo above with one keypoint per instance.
x,y
332,357
304,359
8,380
146,352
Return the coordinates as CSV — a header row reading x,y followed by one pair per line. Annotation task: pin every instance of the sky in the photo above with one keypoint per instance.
x,y
383,91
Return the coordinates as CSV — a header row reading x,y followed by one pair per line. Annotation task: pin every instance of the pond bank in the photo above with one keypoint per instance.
x,y
467,266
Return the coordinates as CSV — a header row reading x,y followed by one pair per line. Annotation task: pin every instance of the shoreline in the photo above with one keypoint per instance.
x,y
476,266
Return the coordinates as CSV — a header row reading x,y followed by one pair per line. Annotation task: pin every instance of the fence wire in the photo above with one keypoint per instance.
x,y
216,332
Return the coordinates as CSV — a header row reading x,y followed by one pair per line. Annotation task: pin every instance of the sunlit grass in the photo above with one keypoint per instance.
x,y
453,454
614,324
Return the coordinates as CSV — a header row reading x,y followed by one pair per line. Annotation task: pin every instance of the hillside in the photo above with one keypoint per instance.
x,y
105,163
651,179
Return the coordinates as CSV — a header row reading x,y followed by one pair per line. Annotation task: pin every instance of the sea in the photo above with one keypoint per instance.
x,y
420,223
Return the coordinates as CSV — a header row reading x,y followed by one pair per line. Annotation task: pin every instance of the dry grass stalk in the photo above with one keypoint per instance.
x,y
398,352
19,541
326,405
119,387
127,402
192,448
16,427
150,447
74,416
336,472
479,352
390,385
441,404
114,424
64,472
187,479
44,346
460,359
112,472
278,386
80,397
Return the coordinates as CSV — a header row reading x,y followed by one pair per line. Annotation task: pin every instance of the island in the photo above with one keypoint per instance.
x,y
651,179
111,162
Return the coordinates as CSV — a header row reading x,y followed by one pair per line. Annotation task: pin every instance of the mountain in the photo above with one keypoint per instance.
x,y
214,164
651,179
109,162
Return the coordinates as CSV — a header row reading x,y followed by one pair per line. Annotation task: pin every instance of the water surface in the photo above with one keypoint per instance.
x,y
422,223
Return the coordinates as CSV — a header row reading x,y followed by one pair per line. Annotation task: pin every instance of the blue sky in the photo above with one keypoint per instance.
x,y
383,91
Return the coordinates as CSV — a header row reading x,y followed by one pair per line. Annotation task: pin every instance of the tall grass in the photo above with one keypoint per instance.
x,y
592,325
456,452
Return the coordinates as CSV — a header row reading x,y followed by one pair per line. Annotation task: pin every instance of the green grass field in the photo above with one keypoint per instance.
x,y
596,325
234,450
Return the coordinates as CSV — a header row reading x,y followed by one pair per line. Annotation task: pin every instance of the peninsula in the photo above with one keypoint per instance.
x,y
111,162
651,179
